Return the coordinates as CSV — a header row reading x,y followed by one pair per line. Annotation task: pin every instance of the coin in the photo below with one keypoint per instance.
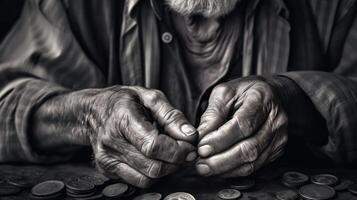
x,y
8,189
80,195
79,186
115,190
229,194
59,196
149,196
97,181
242,183
180,196
353,189
294,179
343,185
324,179
48,188
316,192
286,195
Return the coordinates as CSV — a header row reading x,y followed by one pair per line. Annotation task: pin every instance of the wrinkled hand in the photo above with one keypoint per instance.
x,y
126,142
243,128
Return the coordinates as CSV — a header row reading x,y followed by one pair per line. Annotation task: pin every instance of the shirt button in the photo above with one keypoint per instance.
x,y
166,37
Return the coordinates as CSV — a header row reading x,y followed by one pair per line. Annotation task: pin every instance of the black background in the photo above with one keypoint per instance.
x,y
9,12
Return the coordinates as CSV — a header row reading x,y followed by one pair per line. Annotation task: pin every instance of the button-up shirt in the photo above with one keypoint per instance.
x,y
59,46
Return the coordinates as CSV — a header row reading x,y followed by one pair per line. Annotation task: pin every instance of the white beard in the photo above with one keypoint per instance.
x,y
206,8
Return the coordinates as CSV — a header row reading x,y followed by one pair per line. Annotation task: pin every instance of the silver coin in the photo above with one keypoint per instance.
x,y
115,190
324,179
180,196
317,192
294,179
48,188
149,196
229,194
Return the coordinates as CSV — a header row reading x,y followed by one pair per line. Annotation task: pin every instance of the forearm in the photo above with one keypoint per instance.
x,y
61,123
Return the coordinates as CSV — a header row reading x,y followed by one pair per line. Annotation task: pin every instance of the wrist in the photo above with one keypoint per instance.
x,y
62,121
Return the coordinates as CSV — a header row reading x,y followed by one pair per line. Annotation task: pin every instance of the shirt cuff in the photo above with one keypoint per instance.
x,y
19,104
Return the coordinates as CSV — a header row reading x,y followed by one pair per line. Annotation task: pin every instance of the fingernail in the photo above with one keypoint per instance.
x,y
191,156
205,151
203,169
188,129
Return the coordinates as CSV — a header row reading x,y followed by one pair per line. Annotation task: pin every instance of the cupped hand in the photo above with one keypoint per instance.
x,y
137,135
243,128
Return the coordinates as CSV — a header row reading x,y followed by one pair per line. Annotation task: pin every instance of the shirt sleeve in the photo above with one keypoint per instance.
x,y
40,58
334,96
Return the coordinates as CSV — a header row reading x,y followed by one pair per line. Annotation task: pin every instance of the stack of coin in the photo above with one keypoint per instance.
x,y
294,179
78,188
324,179
149,196
98,181
49,190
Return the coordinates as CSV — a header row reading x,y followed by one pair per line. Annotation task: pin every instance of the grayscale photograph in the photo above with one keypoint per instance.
x,y
178,99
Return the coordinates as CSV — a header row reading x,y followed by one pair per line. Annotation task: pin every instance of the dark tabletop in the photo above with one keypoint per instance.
x,y
267,180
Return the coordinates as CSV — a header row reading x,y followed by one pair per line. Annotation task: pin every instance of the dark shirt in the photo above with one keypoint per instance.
x,y
202,60
59,46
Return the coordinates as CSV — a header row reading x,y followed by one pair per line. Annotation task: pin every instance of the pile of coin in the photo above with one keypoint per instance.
x,y
321,186
78,188
91,187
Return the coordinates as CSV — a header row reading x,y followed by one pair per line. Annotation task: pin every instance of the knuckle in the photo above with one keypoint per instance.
x,y
222,89
172,115
153,96
148,146
249,152
245,125
155,169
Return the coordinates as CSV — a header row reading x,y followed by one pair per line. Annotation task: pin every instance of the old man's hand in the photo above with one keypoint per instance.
x,y
243,128
127,142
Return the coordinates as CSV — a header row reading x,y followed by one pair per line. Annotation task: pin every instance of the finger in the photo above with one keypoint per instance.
x,y
140,132
218,109
276,155
270,154
130,155
221,139
244,152
116,169
245,122
172,120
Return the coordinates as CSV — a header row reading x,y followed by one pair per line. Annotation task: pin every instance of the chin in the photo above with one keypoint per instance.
x,y
206,8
